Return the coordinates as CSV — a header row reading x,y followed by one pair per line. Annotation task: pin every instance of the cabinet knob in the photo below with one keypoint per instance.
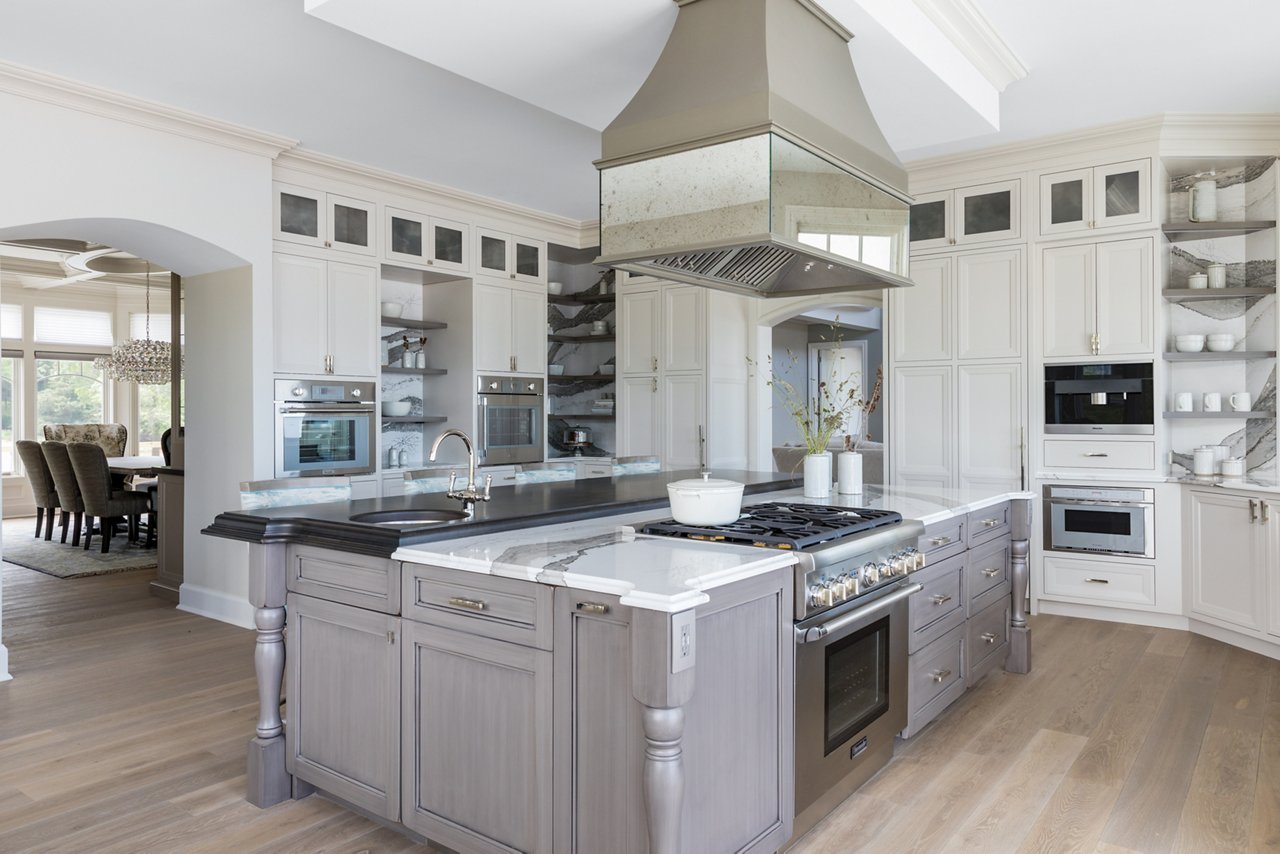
x,y
991,572
939,675
592,607
988,637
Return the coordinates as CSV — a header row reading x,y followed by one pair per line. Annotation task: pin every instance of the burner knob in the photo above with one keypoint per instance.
x,y
902,563
823,595
920,559
885,569
869,575
844,586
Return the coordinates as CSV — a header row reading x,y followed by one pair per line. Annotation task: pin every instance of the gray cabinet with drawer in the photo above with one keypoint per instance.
x,y
940,606
501,608
987,574
352,579
936,678
944,539
990,522
988,640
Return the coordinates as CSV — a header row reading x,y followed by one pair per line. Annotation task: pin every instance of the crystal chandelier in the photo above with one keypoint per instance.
x,y
141,361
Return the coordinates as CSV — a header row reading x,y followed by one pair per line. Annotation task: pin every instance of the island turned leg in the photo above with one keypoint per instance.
x,y
663,777
268,781
1019,660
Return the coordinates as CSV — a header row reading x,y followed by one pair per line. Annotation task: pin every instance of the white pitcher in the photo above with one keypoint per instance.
x,y
1202,200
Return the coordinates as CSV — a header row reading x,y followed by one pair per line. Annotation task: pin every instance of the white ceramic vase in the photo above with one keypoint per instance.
x,y
817,475
849,465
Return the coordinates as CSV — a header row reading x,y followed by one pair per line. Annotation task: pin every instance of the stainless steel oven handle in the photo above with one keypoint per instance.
x,y
482,431
816,633
349,409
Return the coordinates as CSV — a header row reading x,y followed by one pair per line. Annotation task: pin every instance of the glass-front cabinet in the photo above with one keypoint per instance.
x,y
970,215
420,240
327,220
508,256
1095,197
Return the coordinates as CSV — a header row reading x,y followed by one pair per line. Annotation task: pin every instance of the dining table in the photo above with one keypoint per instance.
x,y
136,466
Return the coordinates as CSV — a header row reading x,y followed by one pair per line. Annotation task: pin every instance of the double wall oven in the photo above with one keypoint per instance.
x,y
325,428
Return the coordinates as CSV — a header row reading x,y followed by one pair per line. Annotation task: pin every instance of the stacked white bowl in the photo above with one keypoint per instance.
x,y
1221,342
1189,343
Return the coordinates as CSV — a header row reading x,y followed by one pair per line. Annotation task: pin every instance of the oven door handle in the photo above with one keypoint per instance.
x,y
482,432
817,633
349,409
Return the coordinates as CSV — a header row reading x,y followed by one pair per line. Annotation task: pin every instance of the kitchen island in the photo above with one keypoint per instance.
x,y
528,682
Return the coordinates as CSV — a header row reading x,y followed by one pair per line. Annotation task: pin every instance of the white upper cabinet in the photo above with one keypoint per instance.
x,y
685,341
978,214
327,220
528,331
988,299
1097,299
508,256
638,312
353,320
1098,197
325,317
921,316
510,330
419,240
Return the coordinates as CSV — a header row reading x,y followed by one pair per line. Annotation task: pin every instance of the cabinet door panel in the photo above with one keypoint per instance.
x,y
992,418
923,431
1271,558
1066,201
300,312
406,236
684,311
1122,193
528,331
344,666
299,215
1068,311
1226,572
1126,320
683,401
638,337
529,263
987,212
492,249
493,327
351,224
483,705
353,319
922,315
930,221
449,244
638,416
988,298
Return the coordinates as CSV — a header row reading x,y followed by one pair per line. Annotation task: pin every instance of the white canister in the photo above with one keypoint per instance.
x,y
402,458
393,458
1202,464
1233,467
422,359
1217,275
817,475
849,473
1211,402
598,327
1202,200
1197,280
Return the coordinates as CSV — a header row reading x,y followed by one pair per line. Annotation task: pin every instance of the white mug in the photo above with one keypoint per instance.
x,y
1241,401
1182,401
1211,402
1217,275
1197,280
598,327
1202,201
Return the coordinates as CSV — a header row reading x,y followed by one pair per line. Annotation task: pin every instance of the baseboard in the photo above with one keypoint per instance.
x,y
5,675
1113,615
215,605
1261,647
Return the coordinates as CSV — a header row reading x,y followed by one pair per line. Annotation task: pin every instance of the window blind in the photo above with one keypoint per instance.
x,y
10,321
73,326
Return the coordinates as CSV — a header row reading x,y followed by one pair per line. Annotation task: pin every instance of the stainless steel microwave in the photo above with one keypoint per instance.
x,y
1096,398
1111,520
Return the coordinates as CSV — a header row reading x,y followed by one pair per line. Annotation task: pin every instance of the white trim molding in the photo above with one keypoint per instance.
x,y
41,86
5,675
968,29
215,605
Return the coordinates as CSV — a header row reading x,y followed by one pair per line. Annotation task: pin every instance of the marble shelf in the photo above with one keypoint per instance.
x,y
1205,294
1202,230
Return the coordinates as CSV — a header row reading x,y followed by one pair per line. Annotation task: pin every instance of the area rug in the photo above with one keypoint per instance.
x,y
65,561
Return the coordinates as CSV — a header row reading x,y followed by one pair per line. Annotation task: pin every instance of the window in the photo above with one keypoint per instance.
x,y
10,321
69,390
159,326
55,325
874,250
153,417
10,371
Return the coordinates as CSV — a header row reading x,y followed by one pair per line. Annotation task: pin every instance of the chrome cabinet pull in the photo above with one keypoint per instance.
x,y
391,637
991,572
1253,510
1096,454
1097,581
939,675
940,599
592,607
988,637
469,604
990,523
940,541
655,363
1266,510
655,385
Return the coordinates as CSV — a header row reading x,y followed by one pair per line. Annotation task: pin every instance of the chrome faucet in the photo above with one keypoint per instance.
x,y
470,495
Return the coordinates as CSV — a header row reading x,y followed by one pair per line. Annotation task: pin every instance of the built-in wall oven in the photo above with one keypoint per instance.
x,y
510,420
1099,398
325,428
1113,520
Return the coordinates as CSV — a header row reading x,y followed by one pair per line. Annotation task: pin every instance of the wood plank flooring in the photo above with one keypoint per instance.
x,y
125,730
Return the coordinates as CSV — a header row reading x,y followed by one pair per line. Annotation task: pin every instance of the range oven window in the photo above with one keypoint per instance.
x,y
327,441
857,682
1111,522
511,426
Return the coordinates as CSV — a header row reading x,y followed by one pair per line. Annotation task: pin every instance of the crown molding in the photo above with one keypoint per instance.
x,y
64,92
568,231
968,29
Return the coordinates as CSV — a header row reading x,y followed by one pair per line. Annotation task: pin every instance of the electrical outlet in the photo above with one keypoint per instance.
x,y
682,645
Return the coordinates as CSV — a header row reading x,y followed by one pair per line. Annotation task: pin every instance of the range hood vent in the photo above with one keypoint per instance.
x,y
749,160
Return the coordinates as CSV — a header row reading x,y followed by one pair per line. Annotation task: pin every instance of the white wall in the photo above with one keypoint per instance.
x,y
790,362
196,200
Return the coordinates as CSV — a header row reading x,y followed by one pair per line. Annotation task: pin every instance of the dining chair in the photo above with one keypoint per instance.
x,y
93,476
43,489
112,438
64,478
624,466
290,491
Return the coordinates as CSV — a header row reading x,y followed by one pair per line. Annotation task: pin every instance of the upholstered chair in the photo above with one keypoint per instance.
x,y
290,491
89,462
112,438
42,486
64,478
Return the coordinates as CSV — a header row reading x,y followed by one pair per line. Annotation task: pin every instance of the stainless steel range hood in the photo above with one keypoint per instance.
x,y
749,160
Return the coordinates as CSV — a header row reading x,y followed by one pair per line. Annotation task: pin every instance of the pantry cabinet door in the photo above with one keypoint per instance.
x,y
992,421
638,416
1068,309
923,428
988,298
684,336
684,399
638,331
921,316
1126,304
1122,193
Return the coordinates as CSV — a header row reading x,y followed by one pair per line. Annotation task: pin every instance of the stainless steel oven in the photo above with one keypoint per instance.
x,y
1099,398
851,697
510,420
1114,520
325,428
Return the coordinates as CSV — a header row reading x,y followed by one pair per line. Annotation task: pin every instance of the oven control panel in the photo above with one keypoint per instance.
x,y
829,586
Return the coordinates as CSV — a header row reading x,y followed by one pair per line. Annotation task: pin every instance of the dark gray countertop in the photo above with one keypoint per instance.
x,y
512,508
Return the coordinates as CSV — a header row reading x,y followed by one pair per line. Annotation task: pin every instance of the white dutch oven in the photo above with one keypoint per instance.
x,y
709,501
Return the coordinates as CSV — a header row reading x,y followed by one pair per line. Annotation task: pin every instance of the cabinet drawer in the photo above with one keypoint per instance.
x,y
935,671
366,582
502,608
1097,581
939,606
595,470
988,639
943,539
988,523
1098,454
987,574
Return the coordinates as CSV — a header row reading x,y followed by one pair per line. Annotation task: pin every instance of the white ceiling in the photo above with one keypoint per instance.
x,y
505,97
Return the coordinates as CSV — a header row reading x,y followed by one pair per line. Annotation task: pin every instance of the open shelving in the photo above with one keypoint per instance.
x,y
410,323
1207,294
581,378
421,372
1228,356
579,339
580,299
415,419
1224,415
580,416
1203,230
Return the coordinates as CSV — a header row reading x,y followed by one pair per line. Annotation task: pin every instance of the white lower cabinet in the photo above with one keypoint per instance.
x,y
922,441
1094,581
1231,547
1085,453
638,412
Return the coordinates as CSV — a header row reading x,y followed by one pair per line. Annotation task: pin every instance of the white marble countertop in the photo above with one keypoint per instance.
x,y
605,555
1255,482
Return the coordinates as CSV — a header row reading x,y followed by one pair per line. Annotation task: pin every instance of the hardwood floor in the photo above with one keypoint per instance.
x,y
125,727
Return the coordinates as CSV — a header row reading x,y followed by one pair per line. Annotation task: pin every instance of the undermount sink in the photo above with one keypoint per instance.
x,y
409,518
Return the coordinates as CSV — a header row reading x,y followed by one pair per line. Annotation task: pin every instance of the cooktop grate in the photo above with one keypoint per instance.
x,y
783,526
